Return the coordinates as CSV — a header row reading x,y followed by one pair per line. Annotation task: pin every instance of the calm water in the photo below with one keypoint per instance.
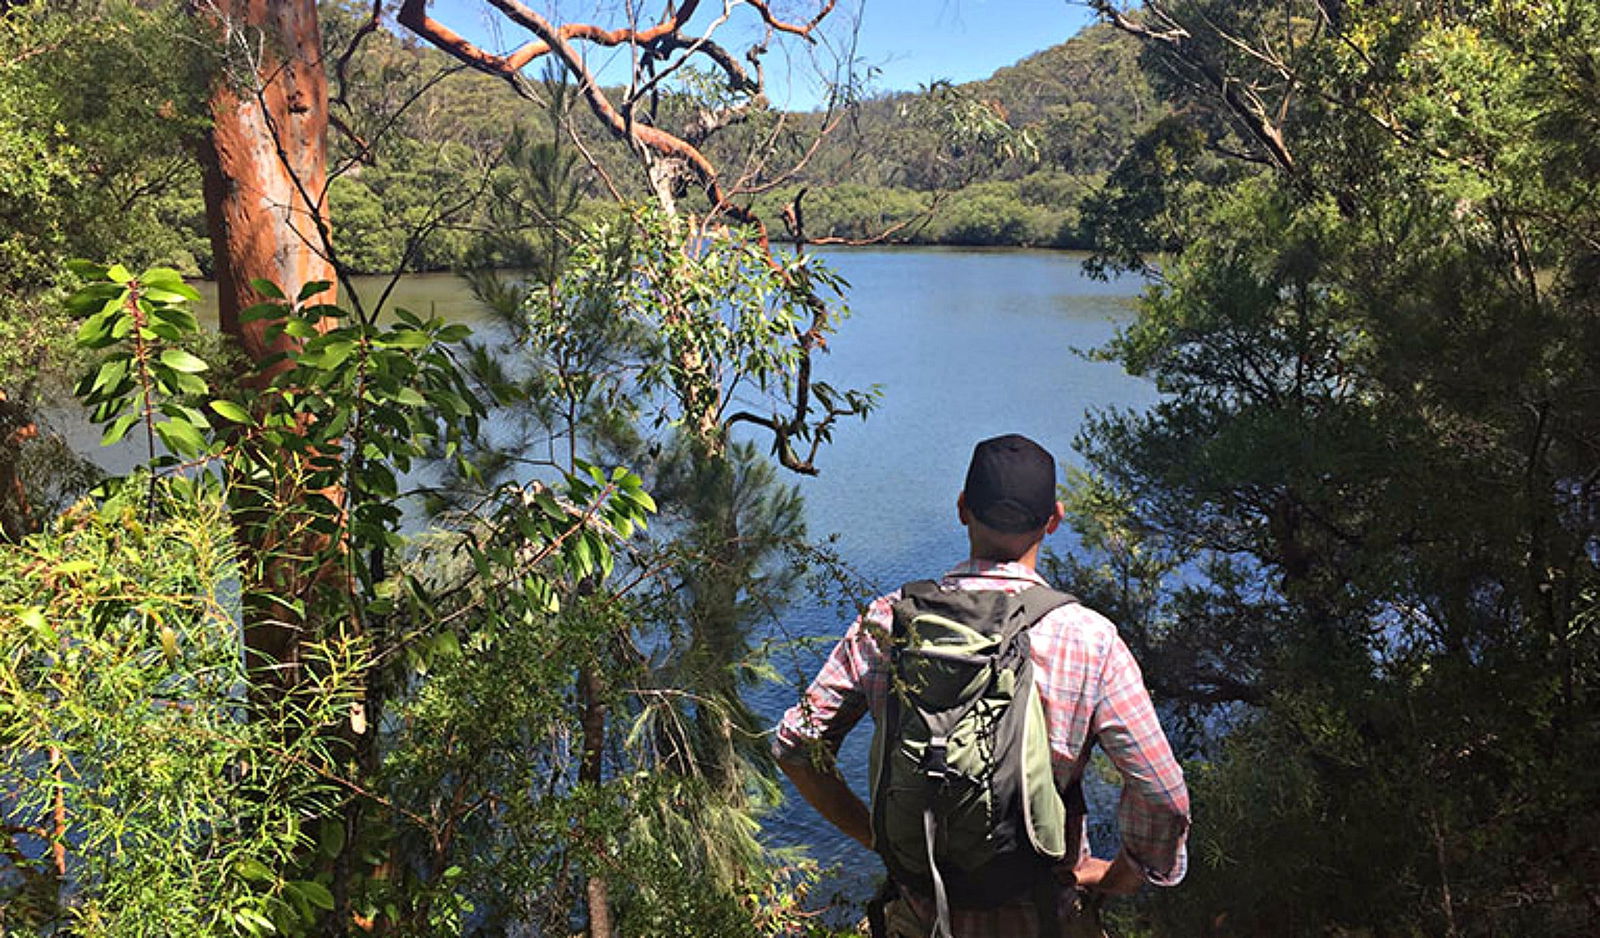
x,y
966,345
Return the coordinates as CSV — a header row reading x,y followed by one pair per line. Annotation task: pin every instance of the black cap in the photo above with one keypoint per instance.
x,y
1011,484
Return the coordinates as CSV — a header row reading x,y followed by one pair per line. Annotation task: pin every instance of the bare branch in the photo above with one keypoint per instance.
x,y
363,152
413,15
1242,101
341,65
802,31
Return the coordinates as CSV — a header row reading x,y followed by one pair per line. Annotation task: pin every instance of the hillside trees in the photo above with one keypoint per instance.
x,y
1006,160
1359,534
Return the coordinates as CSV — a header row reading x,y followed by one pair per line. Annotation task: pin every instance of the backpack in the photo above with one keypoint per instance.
x,y
964,804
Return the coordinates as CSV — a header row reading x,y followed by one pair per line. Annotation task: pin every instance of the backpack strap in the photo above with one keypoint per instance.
x,y
941,900
1039,601
1035,603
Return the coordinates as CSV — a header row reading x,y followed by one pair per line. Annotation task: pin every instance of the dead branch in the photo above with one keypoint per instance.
x,y
342,64
363,152
794,221
803,32
1242,101
413,15
831,119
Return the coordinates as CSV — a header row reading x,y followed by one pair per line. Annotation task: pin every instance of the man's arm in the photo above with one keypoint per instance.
x,y
809,734
1153,811
826,791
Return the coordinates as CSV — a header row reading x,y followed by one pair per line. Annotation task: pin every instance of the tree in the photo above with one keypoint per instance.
x,y
1355,539
332,404
307,434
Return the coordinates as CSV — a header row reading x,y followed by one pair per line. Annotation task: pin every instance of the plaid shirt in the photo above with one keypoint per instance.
x,y
1091,688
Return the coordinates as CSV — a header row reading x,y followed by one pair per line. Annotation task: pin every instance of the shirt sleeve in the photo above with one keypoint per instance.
x,y
838,697
1153,813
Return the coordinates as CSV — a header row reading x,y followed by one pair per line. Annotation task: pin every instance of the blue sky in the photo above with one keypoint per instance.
x,y
910,42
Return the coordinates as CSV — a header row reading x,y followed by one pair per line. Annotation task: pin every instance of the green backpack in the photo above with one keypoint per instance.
x,y
964,805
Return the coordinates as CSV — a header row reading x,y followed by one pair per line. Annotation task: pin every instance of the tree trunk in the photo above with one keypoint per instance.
x,y
265,163
591,694
17,427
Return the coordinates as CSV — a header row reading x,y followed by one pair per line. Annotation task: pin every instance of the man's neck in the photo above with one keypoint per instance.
x,y
1029,559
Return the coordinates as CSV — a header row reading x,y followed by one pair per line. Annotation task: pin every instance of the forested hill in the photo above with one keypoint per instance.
x,y
1082,102
1068,112
1004,161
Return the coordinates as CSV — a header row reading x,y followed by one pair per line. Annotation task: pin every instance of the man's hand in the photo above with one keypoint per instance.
x,y
1119,877
832,798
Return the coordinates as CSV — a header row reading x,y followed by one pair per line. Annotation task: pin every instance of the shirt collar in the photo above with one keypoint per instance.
x,y
1009,570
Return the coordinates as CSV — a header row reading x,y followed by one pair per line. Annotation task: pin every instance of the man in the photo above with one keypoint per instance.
x,y
1091,688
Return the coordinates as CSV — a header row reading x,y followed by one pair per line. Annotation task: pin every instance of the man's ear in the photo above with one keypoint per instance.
x,y
1055,518
961,509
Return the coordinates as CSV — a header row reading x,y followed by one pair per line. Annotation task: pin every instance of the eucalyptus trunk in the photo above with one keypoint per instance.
x,y
265,164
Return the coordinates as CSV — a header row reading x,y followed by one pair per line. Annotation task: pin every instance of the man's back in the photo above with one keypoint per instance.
x,y
1091,689
1089,685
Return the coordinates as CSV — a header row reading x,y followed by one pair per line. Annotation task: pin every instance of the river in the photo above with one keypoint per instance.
x,y
966,344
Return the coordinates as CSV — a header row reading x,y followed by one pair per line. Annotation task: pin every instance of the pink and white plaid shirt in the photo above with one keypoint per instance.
x,y
1092,690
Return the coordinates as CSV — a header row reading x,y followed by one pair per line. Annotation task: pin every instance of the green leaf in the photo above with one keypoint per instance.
x,y
164,295
118,429
254,922
267,288
315,893
181,437
300,329
311,289
110,373
409,396
91,298
331,841
96,330
194,418
253,869
190,384
337,424
118,274
406,338
179,360
260,311
329,356
160,329
582,555
87,269
228,410
179,318
162,277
